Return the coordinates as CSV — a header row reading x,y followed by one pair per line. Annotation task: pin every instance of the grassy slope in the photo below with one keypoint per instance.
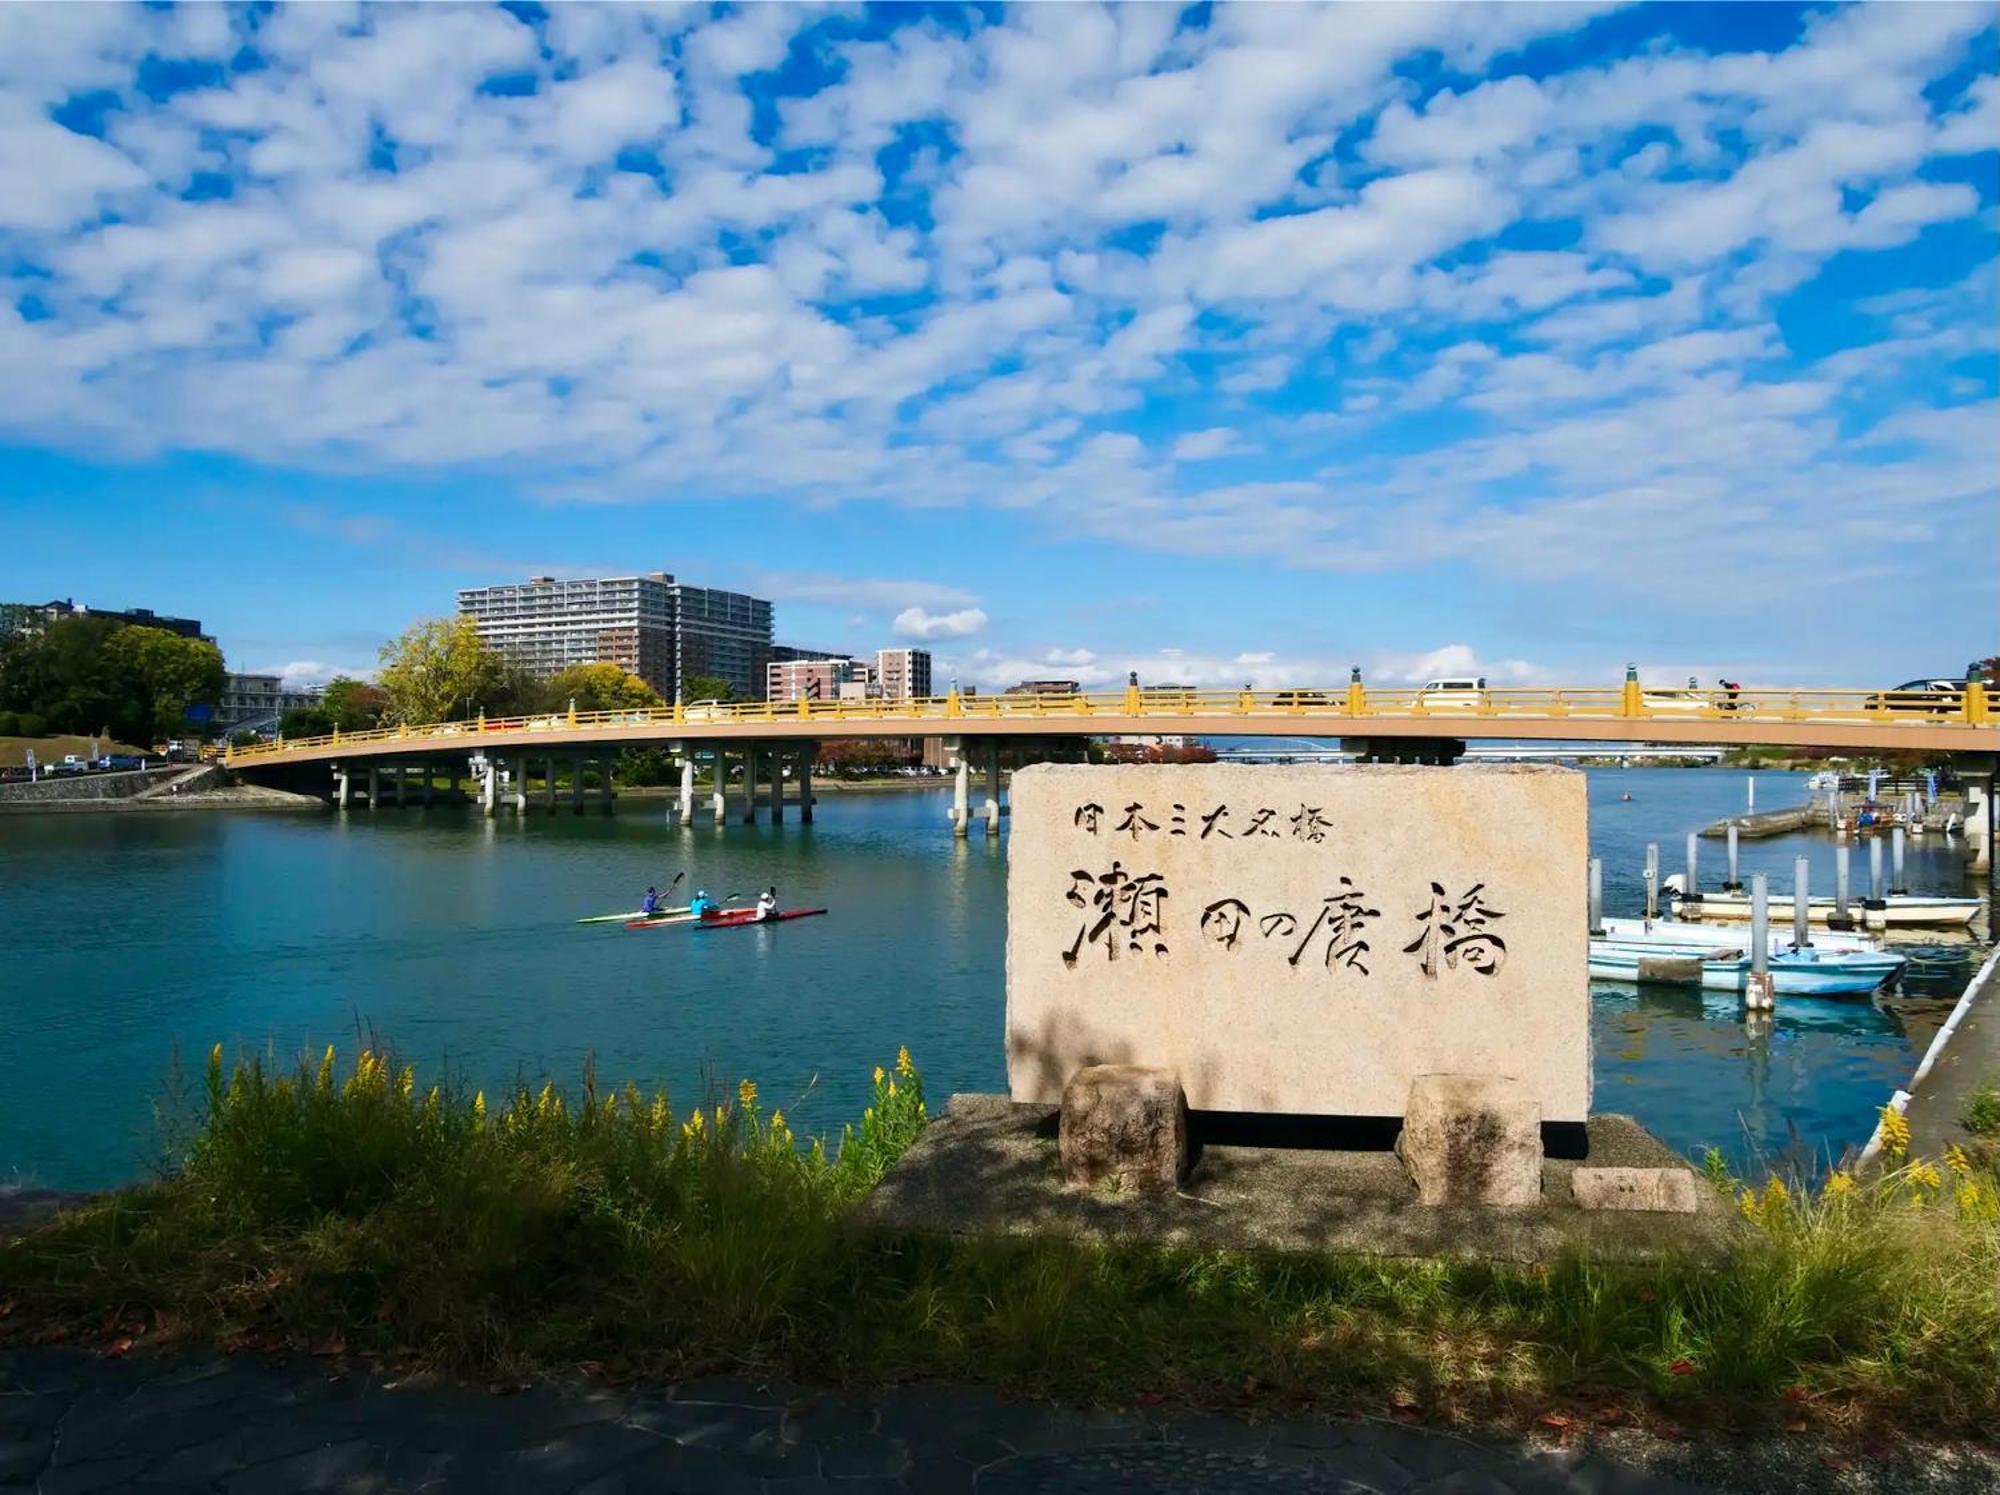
x,y
14,750
612,1231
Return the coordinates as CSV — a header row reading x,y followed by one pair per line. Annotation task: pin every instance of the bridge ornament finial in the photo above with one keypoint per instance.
x,y
1631,703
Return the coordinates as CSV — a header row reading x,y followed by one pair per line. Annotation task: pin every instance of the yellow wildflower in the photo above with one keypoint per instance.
x,y
661,1114
326,1070
611,1104
1926,1176
1839,1185
777,1121
479,1106
545,1103
215,1057
892,1087
407,1081
1895,1132
903,1065
1956,1160
746,1095
878,1074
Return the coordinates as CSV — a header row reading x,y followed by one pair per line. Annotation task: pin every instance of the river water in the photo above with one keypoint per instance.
x,y
450,936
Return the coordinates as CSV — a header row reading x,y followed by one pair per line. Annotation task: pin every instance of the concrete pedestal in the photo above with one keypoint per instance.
x,y
1472,1139
1125,1126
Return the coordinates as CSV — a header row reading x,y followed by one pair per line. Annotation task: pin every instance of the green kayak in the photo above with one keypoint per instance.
x,y
635,915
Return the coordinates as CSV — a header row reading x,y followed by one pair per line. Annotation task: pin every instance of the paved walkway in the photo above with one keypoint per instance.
x,y
1970,1056
71,1422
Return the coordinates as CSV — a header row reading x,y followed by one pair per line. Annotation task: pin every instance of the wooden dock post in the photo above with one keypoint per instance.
x,y
1734,884
1801,903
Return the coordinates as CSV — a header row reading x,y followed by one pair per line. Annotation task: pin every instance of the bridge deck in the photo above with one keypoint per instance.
x,y
1853,720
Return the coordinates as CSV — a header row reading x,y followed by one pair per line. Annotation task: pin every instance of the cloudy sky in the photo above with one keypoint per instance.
x,y
1238,342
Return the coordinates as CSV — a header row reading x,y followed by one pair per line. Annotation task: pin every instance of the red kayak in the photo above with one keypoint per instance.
x,y
736,918
679,921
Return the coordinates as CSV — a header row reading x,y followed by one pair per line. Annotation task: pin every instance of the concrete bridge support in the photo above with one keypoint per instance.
x,y
489,788
718,791
685,804
961,787
1979,810
341,785
374,785
776,759
992,806
806,757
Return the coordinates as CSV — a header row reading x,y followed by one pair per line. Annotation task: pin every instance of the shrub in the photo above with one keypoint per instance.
x,y
32,724
10,724
1982,1108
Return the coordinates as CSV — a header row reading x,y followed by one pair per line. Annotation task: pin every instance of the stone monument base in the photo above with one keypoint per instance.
x,y
988,1166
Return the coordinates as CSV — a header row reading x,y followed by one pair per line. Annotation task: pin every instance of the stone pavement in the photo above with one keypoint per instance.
x,y
72,1422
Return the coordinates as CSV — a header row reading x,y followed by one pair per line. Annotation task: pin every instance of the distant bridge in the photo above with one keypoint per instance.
x,y
1312,750
1376,725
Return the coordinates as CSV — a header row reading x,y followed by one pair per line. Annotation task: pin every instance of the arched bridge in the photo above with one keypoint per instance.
x,y
1393,725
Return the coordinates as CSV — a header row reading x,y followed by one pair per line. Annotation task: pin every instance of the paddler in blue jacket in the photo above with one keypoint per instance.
x,y
652,904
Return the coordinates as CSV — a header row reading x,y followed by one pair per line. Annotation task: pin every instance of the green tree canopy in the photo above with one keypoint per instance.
x,y
598,687
441,670
352,705
706,688
93,674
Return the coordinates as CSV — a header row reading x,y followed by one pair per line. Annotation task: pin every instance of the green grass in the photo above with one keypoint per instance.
x,y
1981,1115
552,1231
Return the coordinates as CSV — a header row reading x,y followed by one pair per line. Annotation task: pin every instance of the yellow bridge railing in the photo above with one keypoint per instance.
x,y
1341,704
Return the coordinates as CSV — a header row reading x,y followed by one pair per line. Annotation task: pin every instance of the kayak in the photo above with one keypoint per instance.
x,y
736,918
637,913
676,918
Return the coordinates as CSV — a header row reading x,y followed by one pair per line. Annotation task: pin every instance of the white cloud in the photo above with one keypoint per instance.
x,y
1204,446
915,622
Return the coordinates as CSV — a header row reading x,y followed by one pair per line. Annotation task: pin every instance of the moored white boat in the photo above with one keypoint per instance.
x,y
1897,910
1677,932
1794,973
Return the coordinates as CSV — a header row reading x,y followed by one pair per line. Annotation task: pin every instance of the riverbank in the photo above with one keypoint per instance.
x,y
222,797
352,1210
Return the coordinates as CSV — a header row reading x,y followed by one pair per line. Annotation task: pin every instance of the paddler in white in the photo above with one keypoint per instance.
x,y
767,904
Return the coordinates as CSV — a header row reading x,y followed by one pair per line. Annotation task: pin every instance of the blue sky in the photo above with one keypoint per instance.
x,y
1225,343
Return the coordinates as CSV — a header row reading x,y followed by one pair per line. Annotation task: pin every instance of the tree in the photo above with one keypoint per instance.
x,y
351,705
706,688
597,687
163,674
440,670
306,721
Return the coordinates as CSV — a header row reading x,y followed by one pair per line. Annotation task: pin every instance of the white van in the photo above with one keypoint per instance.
x,y
1453,691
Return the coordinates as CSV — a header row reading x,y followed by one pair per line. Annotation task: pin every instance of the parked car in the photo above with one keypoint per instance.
x,y
1300,698
705,711
72,764
1935,696
1453,691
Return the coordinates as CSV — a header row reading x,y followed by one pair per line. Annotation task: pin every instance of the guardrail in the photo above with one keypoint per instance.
x,y
1351,703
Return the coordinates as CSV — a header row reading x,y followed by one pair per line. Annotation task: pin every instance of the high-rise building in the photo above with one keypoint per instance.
x,y
1043,688
723,634
658,628
903,674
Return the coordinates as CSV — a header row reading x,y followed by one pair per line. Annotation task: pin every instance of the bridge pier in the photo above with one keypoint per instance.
x,y
961,788
718,789
606,793
806,755
489,787
686,802
749,783
400,772
992,806
520,773
340,785
374,785
776,758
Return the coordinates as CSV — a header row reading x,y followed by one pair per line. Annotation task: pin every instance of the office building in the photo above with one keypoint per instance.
x,y
652,625
824,679
903,674
785,653
258,698
27,618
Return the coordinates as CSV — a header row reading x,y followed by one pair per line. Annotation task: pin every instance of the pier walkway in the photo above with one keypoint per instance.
x,y
72,1422
1965,1052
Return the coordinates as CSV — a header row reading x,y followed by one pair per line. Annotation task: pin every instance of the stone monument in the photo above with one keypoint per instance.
x,y
1308,940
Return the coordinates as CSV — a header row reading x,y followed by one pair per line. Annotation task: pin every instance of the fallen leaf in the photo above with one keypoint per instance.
x,y
117,1348
1553,1420
1795,1393
1796,1427
1681,1368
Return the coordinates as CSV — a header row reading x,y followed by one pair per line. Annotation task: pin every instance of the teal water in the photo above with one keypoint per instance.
x,y
452,937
